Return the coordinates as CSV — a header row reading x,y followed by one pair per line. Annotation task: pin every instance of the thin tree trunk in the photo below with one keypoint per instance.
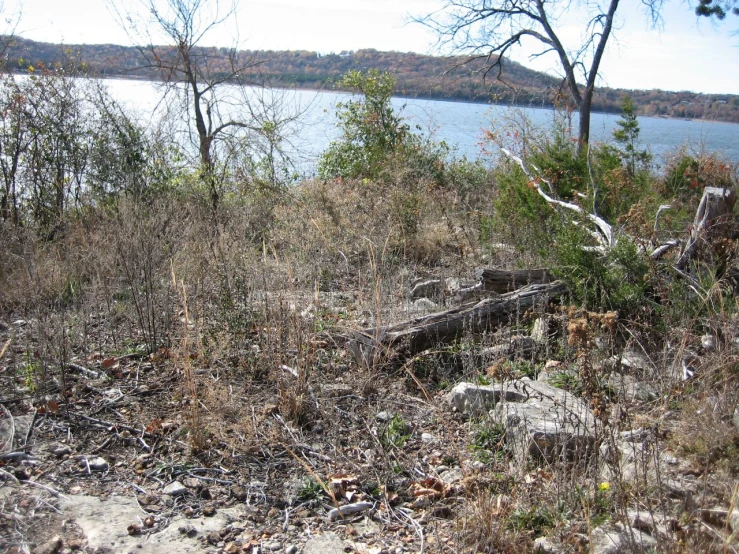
x,y
583,136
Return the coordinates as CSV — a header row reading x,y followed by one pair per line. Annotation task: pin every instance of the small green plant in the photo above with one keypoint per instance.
x,y
31,370
450,461
524,368
603,504
396,433
566,380
534,519
488,441
310,491
482,380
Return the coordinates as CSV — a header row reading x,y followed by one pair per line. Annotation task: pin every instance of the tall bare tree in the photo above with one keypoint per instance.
x,y
489,29
194,72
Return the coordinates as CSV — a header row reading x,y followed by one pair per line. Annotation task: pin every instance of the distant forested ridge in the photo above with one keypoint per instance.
x,y
441,78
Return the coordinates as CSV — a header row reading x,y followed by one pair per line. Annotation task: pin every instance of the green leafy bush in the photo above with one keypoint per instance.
x,y
370,130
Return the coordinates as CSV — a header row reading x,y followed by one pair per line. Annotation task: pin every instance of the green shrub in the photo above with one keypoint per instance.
x,y
370,129
617,280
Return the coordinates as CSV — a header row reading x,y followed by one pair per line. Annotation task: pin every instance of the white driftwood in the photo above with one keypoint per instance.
x,y
604,234
336,513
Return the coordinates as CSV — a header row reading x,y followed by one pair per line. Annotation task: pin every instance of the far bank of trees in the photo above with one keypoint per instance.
x,y
416,76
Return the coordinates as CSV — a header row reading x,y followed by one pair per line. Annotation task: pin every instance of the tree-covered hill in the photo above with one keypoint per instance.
x,y
417,75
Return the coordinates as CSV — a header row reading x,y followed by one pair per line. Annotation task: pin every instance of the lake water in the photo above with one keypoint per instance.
x,y
460,124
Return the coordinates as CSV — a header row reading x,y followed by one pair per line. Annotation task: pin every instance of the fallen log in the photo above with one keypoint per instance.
x,y
502,281
403,340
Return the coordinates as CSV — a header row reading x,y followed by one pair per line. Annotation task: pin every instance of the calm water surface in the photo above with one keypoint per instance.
x,y
460,124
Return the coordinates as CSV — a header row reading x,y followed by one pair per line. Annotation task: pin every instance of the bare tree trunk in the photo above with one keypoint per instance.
x,y
583,136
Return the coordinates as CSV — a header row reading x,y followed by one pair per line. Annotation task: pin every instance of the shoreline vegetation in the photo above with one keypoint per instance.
x,y
417,76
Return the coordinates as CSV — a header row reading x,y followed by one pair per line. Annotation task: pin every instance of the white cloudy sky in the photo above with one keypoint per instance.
x,y
683,54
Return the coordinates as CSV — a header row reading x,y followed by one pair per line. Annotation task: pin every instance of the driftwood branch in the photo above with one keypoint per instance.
x,y
408,338
604,234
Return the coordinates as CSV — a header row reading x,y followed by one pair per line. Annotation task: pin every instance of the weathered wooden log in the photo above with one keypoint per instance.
x,y
405,339
501,281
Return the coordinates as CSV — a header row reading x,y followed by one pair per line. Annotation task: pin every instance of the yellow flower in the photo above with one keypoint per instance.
x,y
604,486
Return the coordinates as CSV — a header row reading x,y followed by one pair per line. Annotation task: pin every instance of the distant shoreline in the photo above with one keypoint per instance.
x,y
435,99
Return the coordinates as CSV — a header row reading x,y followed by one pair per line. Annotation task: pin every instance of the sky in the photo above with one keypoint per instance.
x,y
683,53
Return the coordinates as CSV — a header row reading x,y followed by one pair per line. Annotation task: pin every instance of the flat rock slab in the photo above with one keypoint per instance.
x,y
16,428
104,523
624,539
477,400
541,421
551,424
328,543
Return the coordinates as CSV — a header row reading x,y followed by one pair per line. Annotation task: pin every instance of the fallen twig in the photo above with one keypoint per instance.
x,y
83,370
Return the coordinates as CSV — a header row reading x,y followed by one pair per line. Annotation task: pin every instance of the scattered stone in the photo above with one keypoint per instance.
x,y
384,417
328,543
451,476
620,539
98,464
3,327
634,435
104,526
334,390
629,388
424,305
188,531
62,450
239,493
708,342
337,513
19,427
209,511
52,546
476,400
542,545
654,523
669,459
291,549
636,360
540,331
134,529
427,437
175,488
